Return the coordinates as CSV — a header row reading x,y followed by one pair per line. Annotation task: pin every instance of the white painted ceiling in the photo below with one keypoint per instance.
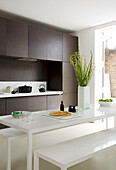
x,y
66,14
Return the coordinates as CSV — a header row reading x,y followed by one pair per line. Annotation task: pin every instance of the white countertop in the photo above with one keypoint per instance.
x,y
42,123
9,95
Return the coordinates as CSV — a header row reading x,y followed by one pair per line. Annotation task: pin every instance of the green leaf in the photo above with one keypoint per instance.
x,y
83,72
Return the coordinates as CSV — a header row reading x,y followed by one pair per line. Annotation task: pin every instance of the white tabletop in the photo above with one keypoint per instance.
x,y
42,122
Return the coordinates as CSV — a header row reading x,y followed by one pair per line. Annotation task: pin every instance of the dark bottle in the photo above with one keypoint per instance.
x,y
62,106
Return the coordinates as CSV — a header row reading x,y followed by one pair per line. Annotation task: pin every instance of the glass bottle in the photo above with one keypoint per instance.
x,y
62,106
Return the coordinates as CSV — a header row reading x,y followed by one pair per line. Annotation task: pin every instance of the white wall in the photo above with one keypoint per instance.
x,y
87,43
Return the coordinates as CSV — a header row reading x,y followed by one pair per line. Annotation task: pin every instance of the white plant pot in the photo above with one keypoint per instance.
x,y
83,97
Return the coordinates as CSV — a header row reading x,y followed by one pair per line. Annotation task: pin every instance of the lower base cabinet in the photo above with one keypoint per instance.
x,y
16,104
2,111
36,103
2,107
25,104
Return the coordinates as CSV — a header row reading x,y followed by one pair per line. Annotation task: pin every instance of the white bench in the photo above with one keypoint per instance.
x,y
9,134
72,152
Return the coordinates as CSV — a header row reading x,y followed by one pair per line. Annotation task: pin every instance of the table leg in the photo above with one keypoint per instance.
x,y
63,168
8,166
114,121
36,162
29,151
106,123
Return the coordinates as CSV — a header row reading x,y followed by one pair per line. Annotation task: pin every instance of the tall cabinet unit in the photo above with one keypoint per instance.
x,y
70,45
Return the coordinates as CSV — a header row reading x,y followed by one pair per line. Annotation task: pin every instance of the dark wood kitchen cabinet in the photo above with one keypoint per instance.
x,y
2,36
13,38
69,78
53,102
16,104
2,107
45,43
16,39
70,45
69,85
37,42
70,99
2,111
54,45
34,103
37,103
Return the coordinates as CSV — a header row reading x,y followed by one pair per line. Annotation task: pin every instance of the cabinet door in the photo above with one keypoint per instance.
x,y
16,39
2,36
70,99
37,103
54,45
70,45
69,78
2,111
16,104
53,102
37,42
2,107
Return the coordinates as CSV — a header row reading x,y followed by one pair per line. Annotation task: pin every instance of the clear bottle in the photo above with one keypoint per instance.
x,y
62,106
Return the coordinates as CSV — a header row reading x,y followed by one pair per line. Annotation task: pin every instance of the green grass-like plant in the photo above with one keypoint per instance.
x,y
83,71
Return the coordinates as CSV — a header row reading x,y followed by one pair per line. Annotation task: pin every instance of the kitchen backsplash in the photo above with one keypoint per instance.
x,y
35,85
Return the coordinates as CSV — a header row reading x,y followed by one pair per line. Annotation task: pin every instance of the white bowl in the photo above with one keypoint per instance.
x,y
105,103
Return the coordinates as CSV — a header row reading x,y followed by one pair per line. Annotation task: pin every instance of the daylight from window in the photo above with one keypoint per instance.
x,y
110,59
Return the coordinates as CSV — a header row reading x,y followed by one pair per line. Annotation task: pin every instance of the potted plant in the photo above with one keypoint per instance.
x,y
84,74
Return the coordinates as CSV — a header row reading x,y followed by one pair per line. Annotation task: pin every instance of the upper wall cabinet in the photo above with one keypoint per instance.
x,y
45,43
16,39
37,42
70,45
2,36
54,45
13,38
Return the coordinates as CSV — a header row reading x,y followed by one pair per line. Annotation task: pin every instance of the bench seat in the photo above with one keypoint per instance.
x,y
8,134
72,152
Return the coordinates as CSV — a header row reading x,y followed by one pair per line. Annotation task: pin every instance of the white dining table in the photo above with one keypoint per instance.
x,y
41,122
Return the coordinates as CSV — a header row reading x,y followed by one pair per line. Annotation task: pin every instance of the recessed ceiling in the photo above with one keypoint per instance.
x,y
70,15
